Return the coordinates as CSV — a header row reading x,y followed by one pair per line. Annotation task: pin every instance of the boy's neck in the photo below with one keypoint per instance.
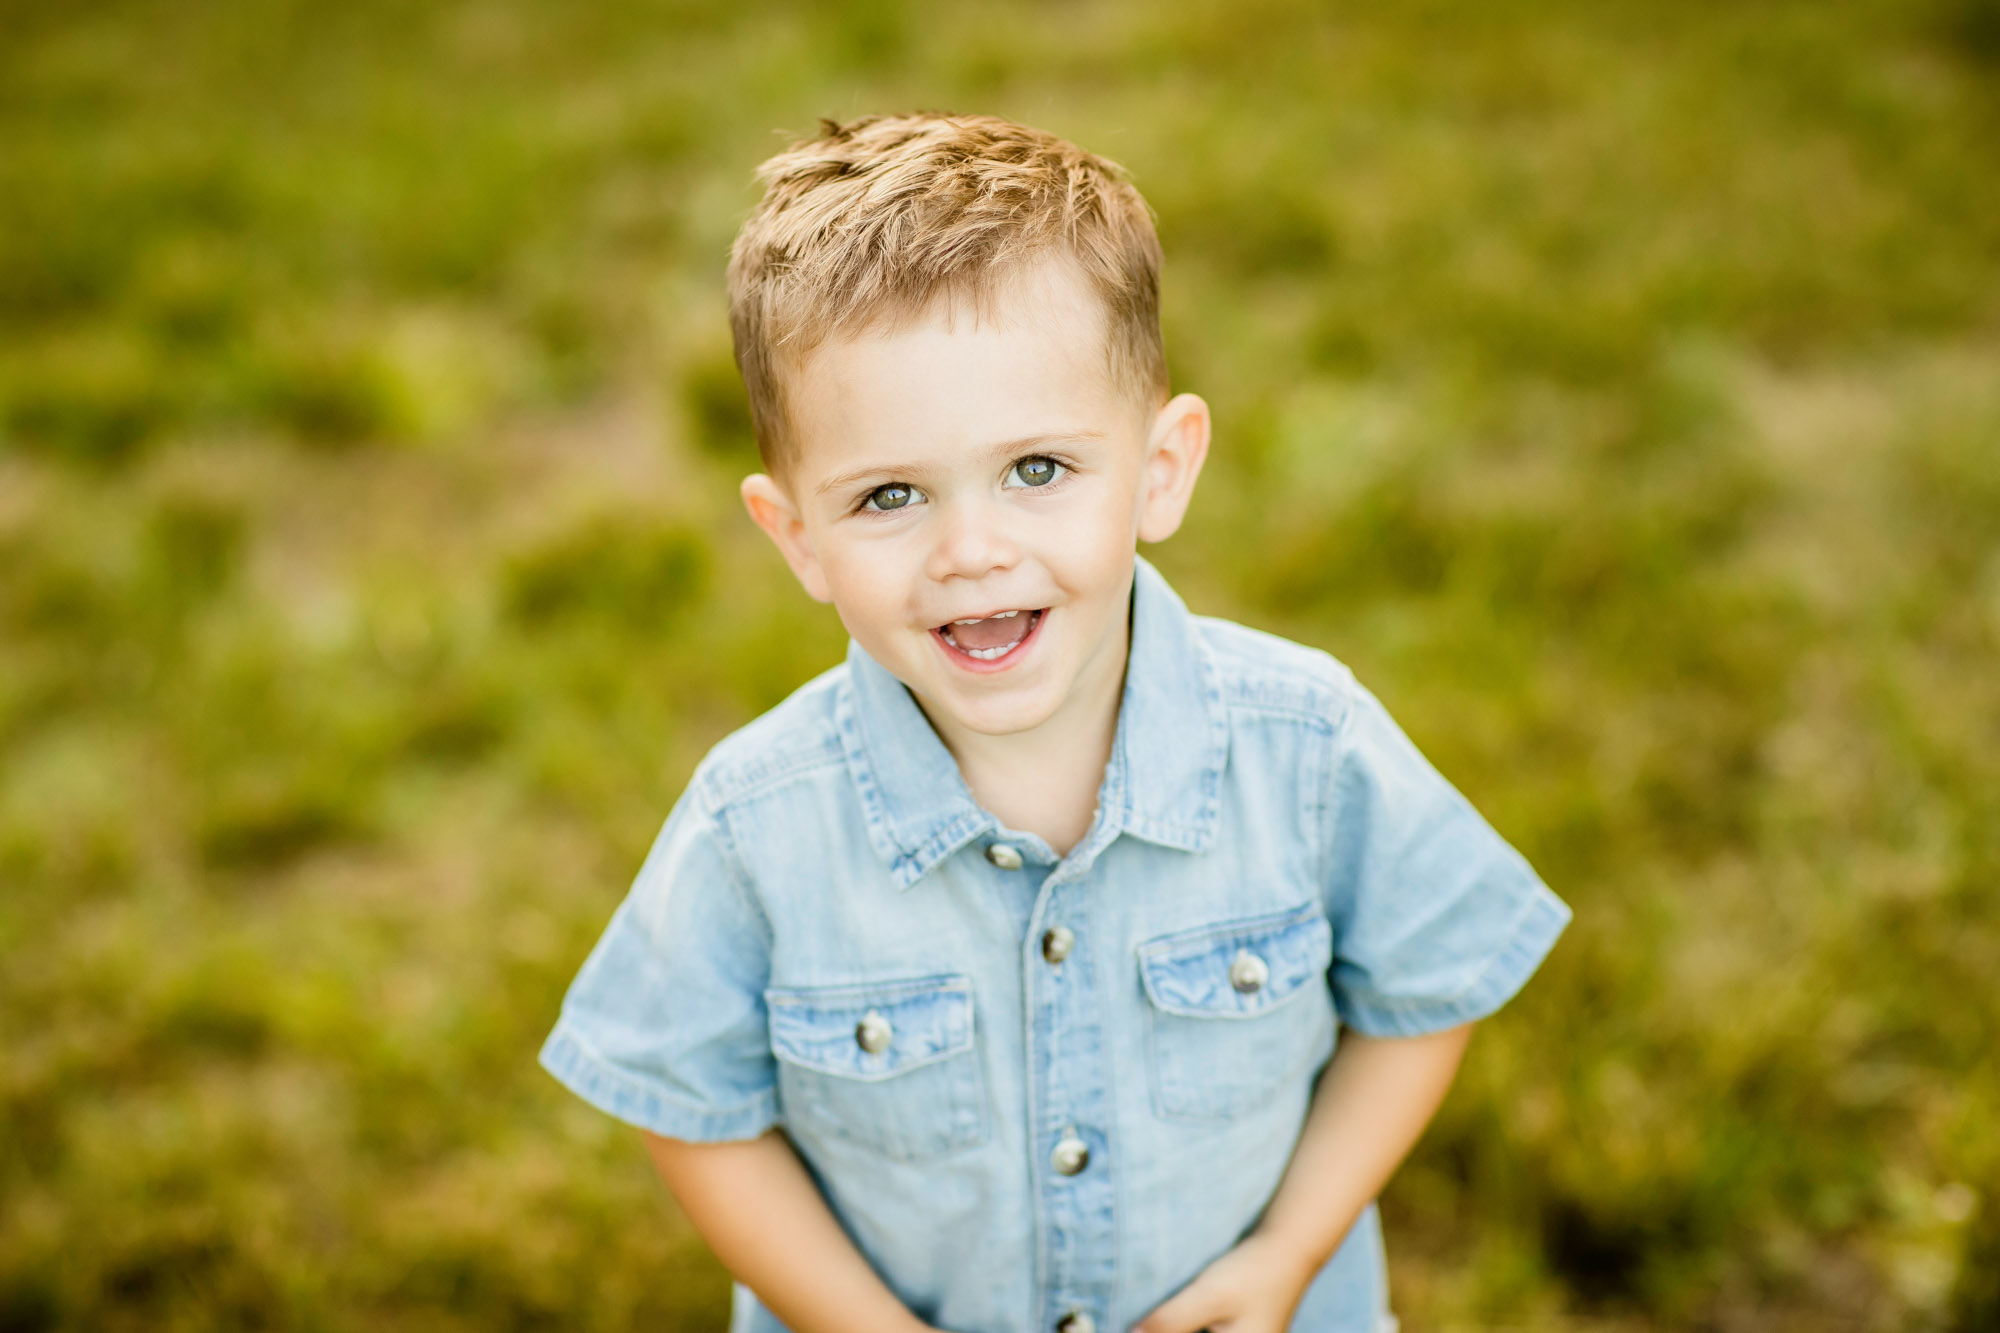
x,y
1045,781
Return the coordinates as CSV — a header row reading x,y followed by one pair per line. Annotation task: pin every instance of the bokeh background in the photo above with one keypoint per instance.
x,y
1615,386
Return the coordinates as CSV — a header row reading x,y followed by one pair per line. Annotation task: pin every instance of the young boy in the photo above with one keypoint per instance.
x,y
989,982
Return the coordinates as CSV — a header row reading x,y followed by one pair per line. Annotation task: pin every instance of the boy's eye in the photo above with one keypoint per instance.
x,y
893,496
1036,471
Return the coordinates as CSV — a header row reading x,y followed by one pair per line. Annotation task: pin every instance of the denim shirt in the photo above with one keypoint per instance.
x,y
1042,1092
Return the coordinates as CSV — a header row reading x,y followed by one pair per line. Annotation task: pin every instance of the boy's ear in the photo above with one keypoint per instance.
x,y
772,510
1174,454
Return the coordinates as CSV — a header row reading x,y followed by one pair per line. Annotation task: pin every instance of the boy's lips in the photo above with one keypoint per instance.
x,y
990,642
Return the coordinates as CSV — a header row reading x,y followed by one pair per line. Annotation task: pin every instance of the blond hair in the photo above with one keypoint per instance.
x,y
871,222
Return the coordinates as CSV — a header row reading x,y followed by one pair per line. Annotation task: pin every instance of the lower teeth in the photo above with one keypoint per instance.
x,y
988,654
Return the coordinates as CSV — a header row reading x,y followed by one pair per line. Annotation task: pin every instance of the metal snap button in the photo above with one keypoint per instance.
x,y
1076,1321
873,1033
1000,854
1072,1154
1248,973
1057,941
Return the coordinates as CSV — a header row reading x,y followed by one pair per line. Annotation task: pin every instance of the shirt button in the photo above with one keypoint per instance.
x,y
1076,1321
1000,854
1248,973
1072,1154
872,1033
1057,941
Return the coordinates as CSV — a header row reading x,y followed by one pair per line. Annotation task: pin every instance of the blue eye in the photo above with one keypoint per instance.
x,y
893,496
1036,471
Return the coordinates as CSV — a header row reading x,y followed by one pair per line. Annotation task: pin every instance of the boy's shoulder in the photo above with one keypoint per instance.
x,y
793,739
1258,671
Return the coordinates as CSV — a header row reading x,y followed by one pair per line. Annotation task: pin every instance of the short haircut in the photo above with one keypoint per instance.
x,y
869,223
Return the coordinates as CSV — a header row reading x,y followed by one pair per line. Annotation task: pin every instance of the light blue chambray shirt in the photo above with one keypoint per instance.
x,y
1042,1092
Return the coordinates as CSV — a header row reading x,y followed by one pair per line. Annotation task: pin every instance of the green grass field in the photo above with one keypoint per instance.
x,y
1616,387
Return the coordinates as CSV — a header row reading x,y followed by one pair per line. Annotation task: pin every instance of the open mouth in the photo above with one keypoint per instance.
x,y
990,638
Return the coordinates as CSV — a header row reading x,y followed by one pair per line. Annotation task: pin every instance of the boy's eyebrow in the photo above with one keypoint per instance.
x,y
855,476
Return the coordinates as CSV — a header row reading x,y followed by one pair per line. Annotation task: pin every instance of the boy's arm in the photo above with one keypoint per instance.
x,y
1373,1101
762,1215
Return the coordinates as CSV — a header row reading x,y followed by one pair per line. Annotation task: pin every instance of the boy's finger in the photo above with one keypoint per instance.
x,y
1188,1312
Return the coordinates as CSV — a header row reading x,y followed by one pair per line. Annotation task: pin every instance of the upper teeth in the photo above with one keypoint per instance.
x,y
997,615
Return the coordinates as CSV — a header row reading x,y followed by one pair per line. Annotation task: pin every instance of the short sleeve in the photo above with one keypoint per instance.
x,y
664,1025
1437,920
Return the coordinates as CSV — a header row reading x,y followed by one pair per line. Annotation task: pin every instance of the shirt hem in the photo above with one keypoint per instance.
x,y
614,1091
1530,940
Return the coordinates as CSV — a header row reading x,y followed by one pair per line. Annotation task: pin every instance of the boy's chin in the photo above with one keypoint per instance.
x,y
987,717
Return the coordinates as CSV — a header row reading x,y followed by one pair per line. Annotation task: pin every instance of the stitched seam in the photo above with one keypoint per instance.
x,y
791,768
1512,942
1284,917
1323,821
887,992
1262,708
603,1067
739,877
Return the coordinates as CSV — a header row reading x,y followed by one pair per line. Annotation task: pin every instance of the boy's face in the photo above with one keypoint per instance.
x,y
988,471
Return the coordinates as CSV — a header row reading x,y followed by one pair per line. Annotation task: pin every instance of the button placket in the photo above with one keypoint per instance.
x,y
1075,1197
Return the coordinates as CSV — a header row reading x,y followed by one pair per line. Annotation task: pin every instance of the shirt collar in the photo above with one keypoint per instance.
x,y
1163,782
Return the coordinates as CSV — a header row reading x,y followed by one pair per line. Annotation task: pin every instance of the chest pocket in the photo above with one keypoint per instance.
x,y
1237,1010
889,1065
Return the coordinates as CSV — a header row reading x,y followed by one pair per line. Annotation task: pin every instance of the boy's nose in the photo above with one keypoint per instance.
x,y
970,543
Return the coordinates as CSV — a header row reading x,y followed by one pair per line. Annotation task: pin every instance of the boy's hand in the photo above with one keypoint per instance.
x,y
1252,1289
759,1209
1376,1096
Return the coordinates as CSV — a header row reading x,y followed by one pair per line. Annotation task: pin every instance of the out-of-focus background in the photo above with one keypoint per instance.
x,y
1616,387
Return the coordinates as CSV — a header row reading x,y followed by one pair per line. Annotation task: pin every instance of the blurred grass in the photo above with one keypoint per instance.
x,y
1613,386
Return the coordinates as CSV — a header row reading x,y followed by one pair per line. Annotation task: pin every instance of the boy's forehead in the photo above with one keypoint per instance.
x,y
1029,357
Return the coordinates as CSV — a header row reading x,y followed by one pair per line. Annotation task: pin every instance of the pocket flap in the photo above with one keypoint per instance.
x,y
1189,972
819,1027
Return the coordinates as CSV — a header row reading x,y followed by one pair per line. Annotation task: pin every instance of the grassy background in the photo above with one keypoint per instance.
x,y
1615,386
